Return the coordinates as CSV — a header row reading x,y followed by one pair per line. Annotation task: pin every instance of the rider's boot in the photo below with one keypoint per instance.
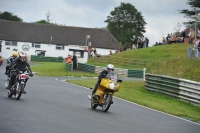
x,y
8,87
24,92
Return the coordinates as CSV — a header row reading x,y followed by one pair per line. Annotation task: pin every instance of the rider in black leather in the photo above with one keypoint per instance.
x,y
20,64
103,74
10,60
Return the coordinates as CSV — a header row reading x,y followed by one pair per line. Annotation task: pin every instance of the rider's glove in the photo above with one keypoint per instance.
x,y
31,74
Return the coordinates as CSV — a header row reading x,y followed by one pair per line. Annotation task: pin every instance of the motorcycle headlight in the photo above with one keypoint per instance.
x,y
112,86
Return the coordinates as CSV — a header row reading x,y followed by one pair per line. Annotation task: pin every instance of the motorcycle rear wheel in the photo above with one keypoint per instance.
x,y
107,103
19,92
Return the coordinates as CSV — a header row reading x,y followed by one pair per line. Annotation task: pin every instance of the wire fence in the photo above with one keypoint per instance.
x,y
121,61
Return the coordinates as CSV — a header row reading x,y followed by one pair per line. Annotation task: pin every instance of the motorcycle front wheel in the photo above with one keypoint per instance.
x,y
93,105
10,93
107,102
19,91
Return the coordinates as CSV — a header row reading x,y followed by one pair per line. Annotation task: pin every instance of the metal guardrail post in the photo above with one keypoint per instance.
x,y
189,52
193,52
144,73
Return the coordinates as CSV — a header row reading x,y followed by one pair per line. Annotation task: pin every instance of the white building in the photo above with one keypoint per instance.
x,y
53,40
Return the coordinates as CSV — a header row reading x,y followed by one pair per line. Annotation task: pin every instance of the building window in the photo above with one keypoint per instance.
x,y
36,45
79,54
60,47
11,43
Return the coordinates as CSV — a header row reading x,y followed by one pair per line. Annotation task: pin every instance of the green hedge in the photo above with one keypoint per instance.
x,y
46,59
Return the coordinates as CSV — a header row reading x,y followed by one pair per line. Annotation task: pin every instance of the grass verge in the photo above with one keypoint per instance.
x,y
57,69
135,92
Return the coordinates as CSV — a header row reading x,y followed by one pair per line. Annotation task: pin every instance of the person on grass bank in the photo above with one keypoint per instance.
x,y
74,60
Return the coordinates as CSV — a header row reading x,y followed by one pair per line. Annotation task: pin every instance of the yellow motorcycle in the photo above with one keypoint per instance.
x,y
104,94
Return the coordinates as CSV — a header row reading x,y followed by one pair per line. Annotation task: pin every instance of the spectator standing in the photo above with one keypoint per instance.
x,y
74,59
69,59
91,53
147,42
167,38
189,41
196,45
139,43
89,50
110,53
198,32
191,36
199,47
95,52
182,36
170,38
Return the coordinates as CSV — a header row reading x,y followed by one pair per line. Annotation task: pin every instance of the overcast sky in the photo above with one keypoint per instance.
x,y
161,15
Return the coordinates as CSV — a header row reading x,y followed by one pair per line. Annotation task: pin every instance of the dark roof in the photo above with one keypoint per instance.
x,y
62,35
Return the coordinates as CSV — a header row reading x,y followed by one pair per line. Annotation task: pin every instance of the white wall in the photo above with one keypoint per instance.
x,y
50,49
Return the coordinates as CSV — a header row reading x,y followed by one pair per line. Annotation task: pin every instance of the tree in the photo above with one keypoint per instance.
x,y
126,23
195,4
176,29
45,21
48,17
9,16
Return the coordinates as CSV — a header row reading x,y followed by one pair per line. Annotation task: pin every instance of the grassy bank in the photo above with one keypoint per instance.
x,y
171,60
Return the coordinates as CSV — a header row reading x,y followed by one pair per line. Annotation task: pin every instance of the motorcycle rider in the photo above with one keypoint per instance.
x,y
103,74
20,64
9,62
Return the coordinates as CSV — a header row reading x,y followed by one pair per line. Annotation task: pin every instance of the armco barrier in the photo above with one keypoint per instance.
x,y
135,73
86,67
69,66
180,88
97,69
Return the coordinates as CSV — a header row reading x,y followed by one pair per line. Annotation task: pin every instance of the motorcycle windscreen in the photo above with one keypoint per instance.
x,y
112,76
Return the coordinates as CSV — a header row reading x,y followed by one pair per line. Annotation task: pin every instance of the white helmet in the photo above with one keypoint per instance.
x,y
110,66
22,56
